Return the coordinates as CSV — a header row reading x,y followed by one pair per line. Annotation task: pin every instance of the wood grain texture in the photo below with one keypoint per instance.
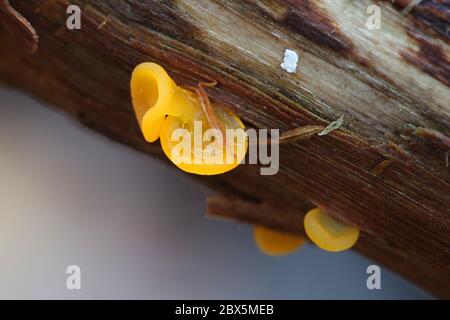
x,y
18,25
391,85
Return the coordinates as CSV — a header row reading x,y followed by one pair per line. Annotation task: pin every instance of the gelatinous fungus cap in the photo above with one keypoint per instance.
x,y
328,233
275,243
177,117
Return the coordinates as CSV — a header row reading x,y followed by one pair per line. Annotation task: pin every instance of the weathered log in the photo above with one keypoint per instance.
x,y
386,170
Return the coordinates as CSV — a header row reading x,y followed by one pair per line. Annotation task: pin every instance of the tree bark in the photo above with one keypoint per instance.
x,y
385,170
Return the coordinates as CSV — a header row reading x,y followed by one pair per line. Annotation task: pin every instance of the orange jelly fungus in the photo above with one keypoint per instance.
x,y
275,243
328,233
162,107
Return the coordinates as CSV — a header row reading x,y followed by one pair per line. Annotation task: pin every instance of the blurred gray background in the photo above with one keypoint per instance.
x,y
137,227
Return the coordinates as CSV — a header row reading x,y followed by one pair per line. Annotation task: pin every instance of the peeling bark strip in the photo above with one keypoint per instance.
x,y
18,25
301,133
289,220
394,108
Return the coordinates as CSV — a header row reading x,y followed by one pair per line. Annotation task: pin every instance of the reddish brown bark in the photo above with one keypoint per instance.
x,y
391,85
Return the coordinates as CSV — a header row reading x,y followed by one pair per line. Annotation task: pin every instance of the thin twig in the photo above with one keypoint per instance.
x,y
300,133
206,105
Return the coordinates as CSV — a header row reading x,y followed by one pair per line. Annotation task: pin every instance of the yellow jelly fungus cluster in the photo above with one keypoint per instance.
x,y
161,107
328,233
275,243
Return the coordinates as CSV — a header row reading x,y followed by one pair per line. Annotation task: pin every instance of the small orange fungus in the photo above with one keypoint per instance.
x,y
328,233
275,243
195,135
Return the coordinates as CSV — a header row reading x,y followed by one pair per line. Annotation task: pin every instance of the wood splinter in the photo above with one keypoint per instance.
x,y
286,219
103,23
410,7
206,104
300,133
306,132
380,167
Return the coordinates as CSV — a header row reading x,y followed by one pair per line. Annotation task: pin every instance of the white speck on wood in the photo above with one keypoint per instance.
x,y
290,61
332,126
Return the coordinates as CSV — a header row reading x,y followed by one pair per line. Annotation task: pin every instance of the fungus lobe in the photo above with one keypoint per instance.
x,y
275,243
328,233
195,135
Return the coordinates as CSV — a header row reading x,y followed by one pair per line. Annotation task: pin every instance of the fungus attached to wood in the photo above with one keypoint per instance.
x,y
328,233
380,81
275,243
213,140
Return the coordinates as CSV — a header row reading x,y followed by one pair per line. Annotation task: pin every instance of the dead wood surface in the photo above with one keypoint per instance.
x,y
386,170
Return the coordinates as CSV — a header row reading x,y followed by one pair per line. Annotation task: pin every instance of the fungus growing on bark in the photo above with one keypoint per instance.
x,y
275,243
328,233
196,136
